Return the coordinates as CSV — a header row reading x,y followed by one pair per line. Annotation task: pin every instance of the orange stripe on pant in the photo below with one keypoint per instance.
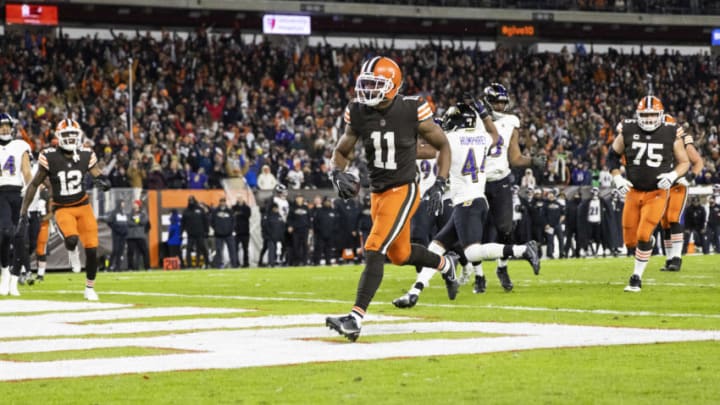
x,y
391,211
675,205
42,239
78,221
641,215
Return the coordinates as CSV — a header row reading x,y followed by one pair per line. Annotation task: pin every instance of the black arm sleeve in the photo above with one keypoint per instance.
x,y
613,160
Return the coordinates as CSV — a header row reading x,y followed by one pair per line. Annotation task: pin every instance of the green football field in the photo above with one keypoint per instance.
x,y
257,336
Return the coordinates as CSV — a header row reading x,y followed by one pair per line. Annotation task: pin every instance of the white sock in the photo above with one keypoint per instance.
x,y
74,258
424,277
14,285
518,250
478,268
668,249
487,251
677,244
641,261
502,263
358,318
41,269
5,280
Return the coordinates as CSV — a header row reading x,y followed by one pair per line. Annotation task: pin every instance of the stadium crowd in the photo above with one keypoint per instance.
x,y
211,107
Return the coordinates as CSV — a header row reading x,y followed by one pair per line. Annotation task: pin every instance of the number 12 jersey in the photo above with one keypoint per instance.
x,y
66,174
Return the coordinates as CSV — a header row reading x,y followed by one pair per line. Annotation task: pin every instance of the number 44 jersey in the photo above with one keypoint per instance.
x,y
10,161
648,154
66,174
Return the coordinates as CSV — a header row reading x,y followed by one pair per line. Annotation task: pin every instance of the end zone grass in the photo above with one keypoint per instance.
x,y
580,292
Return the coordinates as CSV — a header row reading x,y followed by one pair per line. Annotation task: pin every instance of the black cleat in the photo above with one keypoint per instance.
x,y
40,278
23,278
532,255
504,278
451,282
665,267
674,264
344,325
406,301
480,285
635,284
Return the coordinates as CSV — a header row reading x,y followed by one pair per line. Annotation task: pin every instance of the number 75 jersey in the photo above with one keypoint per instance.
x,y
66,174
648,154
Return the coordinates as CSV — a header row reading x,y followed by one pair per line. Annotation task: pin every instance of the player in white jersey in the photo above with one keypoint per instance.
x,y
14,175
469,145
502,156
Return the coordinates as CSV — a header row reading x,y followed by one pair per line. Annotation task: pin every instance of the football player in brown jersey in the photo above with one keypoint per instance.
x,y
672,228
66,167
655,158
388,125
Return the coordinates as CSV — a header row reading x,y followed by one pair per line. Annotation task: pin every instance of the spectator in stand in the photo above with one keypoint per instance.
x,y
266,180
174,177
605,179
528,179
155,179
197,180
296,177
136,176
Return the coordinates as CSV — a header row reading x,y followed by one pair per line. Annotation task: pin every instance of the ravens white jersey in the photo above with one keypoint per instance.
x,y
469,148
10,162
37,203
497,165
427,170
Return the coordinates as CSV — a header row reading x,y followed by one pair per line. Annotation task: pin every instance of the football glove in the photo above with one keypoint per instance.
x,y
345,184
683,181
102,182
433,196
21,228
690,176
666,180
479,106
539,160
622,185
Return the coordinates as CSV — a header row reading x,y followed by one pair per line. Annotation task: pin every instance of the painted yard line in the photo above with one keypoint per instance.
x,y
480,306
12,306
299,345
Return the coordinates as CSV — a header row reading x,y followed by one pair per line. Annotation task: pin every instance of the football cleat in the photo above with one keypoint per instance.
x,y
23,278
14,286
532,255
39,278
674,264
480,285
635,284
406,301
344,325
451,282
504,278
91,295
665,267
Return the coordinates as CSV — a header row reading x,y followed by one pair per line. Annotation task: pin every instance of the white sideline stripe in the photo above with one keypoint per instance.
x,y
17,306
486,306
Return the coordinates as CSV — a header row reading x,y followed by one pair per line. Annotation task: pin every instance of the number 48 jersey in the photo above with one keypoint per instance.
x,y
66,174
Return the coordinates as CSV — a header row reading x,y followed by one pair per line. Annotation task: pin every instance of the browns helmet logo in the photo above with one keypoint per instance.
x,y
380,79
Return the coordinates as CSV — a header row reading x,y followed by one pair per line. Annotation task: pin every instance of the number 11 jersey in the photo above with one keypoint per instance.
x,y
389,137
66,174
